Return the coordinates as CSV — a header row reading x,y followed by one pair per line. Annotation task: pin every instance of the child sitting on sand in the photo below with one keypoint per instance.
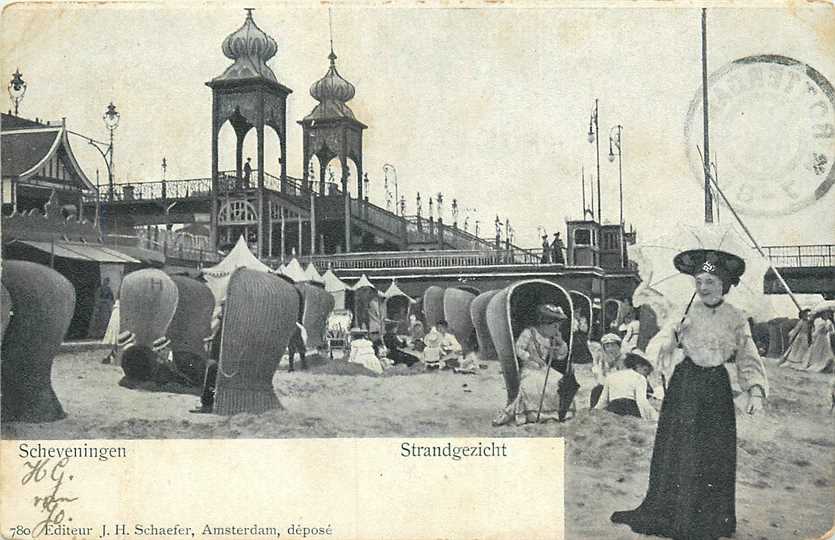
x,y
362,351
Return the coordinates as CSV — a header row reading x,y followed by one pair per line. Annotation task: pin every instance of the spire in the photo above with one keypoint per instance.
x,y
331,91
250,48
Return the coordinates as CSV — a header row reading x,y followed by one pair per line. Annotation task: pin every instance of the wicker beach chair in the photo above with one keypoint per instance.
x,y
44,302
513,309
582,305
318,305
147,302
457,313
190,327
433,306
260,317
478,316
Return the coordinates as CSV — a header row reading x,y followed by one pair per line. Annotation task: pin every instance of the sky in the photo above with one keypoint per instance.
x,y
488,105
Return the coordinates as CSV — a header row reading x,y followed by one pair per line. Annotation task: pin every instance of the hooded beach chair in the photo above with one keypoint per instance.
x,y
478,316
147,303
513,309
457,313
316,308
260,317
44,302
190,327
433,306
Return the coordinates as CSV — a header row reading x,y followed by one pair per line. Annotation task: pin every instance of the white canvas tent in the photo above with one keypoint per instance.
x,y
336,287
294,271
397,305
363,282
394,291
217,277
312,275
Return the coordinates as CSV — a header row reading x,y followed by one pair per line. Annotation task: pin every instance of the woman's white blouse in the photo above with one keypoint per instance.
x,y
711,336
627,384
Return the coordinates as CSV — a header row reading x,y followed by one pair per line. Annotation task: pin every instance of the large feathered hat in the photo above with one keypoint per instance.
x,y
727,266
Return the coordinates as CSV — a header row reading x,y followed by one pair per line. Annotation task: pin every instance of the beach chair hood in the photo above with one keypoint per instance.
x,y
478,315
457,313
513,309
259,318
44,302
191,326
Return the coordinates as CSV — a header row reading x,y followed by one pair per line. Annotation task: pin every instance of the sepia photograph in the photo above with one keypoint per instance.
x,y
468,223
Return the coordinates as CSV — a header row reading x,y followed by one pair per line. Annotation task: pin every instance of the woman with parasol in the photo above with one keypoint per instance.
x,y
693,470
533,347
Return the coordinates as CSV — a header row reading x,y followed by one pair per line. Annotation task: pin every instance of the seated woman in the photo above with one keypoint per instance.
x,y
362,351
395,345
533,348
625,391
604,362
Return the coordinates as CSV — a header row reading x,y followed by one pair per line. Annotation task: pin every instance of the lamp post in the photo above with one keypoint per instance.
x,y
386,168
17,89
111,122
594,137
615,142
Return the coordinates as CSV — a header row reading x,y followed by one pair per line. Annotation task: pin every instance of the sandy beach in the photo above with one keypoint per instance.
x,y
785,457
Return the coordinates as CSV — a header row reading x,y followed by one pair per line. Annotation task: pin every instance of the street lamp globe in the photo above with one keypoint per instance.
x,y
591,135
111,117
17,89
611,156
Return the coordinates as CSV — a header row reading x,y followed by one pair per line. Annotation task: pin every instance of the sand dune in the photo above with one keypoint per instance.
x,y
784,482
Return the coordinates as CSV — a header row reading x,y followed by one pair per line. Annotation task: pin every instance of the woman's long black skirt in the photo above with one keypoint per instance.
x,y
692,478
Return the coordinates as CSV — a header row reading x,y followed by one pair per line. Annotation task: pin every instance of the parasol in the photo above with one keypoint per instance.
x,y
664,288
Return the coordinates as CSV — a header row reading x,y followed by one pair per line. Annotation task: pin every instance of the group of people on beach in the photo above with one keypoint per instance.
x,y
438,349
693,467
811,342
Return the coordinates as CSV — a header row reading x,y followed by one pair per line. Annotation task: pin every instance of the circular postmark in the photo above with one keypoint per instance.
x,y
772,134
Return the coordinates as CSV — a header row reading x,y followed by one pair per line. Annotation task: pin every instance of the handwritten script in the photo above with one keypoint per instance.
x,y
53,475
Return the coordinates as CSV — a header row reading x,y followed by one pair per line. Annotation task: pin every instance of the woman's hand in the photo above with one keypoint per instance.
x,y
754,403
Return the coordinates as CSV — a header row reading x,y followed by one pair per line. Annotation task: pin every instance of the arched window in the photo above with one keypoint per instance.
x,y
237,212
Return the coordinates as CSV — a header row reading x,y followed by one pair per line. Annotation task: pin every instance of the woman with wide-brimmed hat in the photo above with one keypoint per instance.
x,y
693,470
533,347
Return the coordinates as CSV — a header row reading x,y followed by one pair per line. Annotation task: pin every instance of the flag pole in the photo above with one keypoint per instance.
x,y
750,236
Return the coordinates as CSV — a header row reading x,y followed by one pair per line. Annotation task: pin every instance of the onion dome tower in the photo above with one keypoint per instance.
x,y
247,95
331,130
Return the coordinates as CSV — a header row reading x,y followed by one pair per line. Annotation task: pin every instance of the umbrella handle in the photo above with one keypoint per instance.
x,y
686,311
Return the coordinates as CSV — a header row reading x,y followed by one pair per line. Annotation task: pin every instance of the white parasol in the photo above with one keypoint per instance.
x,y
665,289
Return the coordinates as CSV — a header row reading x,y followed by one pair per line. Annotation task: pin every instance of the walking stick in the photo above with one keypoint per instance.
x,y
548,372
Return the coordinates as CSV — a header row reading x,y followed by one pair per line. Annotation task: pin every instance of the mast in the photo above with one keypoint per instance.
x,y
583,181
708,198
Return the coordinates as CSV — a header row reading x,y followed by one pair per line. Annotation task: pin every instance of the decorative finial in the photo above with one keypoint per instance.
x,y
249,11
332,56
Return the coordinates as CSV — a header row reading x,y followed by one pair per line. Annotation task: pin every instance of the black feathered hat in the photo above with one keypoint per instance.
x,y
726,266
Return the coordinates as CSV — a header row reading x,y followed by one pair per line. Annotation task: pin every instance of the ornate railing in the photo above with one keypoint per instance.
x,y
801,256
228,182
419,259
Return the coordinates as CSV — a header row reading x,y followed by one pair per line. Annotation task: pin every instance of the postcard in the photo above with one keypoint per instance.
x,y
417,270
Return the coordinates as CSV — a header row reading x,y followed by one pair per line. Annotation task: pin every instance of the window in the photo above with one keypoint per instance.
x,y
237,212
582,237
